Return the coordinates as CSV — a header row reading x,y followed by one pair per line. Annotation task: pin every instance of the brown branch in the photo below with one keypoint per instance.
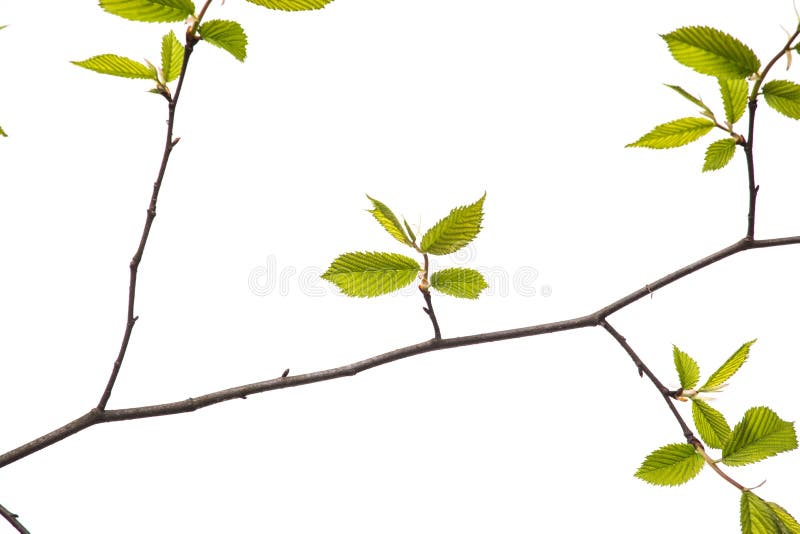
x,y
13,519
96,416
169,144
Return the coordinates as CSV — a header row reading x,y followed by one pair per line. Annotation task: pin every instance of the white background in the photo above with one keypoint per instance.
x,y
424,105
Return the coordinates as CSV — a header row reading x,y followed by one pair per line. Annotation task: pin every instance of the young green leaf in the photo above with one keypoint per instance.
x,y
410,231
150,10
292,5
171,57
734,98
671,465
389,221
691,98
719,153
759,435
3,26
459,282
711,424
789,523
117,66
710,51
717,380
227,35
2,132
369,274
784,97
688,370
756,516
454,231
675,133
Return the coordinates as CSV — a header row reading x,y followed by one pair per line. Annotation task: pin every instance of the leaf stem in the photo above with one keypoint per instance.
x,y
424,287
169,144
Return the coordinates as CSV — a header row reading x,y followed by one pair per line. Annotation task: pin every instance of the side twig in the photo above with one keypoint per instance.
x,y
13,520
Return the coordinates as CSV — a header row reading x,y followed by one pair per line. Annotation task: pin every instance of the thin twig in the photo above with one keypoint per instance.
x,y
13,519
96,416
169,144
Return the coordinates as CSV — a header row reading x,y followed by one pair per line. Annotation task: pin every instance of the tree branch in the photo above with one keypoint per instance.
x,y
13,519
96,416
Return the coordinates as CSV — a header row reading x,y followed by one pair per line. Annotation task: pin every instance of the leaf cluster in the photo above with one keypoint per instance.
x,y
736,67
760,434
370,274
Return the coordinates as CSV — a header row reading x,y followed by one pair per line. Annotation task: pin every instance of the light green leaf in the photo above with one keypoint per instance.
x,y
717,380
675,133
3,26
2,132
389,221
671,465
369,274
292,5
227,35
459,282
712,426
756,516
710,51
784,97
688,370
691,98
719,153
454,231
150,10
116,66
759,435
171,57
734,98
410,231
789,523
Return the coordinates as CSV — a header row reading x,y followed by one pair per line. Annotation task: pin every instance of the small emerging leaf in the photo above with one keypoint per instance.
x,y
691,98
455,231
675,133
717,380
369,274
710,51
389,221
459,282
115,65
789,523
734,98
756,516
171,57
671,465
150,10
784,97
227,35
759,435
712,426
719,153
292,5
688,370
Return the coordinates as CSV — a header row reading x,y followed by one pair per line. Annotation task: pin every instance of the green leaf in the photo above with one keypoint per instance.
x,y
691,98
292,5
671,465
756,516
459,282
389,221
3,26
710,51
116,66
2,132
711,424
227,35
688,370
369,274
410,231
454,231
171,57
759,435
719,153
717,380
789,523
675,133
734,98
784,97
150,10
